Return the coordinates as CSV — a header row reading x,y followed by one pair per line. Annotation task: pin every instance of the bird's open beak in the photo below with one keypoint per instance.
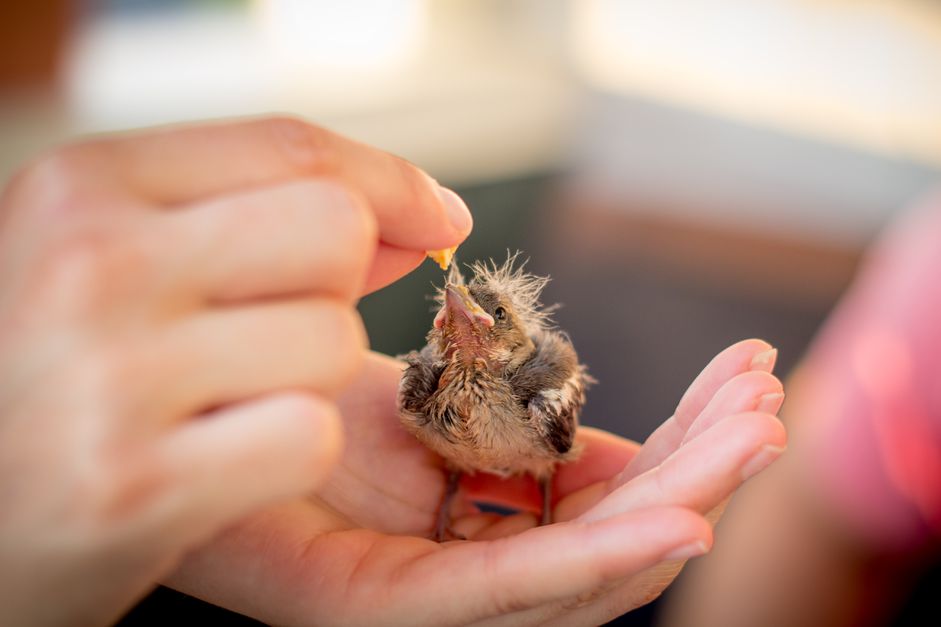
x,y
458,305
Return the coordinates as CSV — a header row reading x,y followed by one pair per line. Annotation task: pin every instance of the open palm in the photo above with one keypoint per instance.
x,y
358,553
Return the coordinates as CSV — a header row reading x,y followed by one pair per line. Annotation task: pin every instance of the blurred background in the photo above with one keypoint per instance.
x,y
689,173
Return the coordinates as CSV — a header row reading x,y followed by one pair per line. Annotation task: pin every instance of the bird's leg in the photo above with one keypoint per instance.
x,y
545,485
443,525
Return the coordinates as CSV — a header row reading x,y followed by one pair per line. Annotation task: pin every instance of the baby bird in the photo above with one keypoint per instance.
x,y
496,388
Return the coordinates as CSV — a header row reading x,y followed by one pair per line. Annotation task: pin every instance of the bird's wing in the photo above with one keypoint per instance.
x,y
552,386
419,381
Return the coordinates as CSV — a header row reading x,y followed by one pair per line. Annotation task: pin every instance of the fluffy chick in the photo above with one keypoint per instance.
x,y
496,388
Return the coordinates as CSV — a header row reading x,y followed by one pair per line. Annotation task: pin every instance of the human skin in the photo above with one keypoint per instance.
x,y
836,533
176,321
177,315
627,517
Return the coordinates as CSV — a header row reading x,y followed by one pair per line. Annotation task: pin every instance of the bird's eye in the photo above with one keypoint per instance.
x,y
499,314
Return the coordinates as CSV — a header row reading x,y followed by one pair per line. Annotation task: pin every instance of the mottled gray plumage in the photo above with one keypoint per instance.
x,y
496,388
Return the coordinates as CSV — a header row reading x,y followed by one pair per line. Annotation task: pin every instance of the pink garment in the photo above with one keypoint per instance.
x,y
876,397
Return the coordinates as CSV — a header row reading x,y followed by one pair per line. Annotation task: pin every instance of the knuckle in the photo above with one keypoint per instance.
x,y
104,374
90,266
53,181
307,147
73,270
121,487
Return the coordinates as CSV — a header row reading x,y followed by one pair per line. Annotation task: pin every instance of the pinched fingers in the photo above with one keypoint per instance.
x,y
187,164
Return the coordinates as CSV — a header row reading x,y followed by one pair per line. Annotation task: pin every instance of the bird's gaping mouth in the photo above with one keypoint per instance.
x,y
464,326
459,308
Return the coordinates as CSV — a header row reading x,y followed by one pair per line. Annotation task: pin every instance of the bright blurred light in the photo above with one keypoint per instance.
x,y
863,73
197,61
366,35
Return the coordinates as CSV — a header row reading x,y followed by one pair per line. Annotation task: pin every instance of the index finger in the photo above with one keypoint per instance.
x,y
184,164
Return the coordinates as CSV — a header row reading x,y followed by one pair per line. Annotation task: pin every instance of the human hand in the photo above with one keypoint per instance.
x,y
357,553
176,316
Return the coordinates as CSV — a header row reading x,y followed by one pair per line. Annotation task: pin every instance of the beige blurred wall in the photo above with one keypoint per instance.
x,y
808,118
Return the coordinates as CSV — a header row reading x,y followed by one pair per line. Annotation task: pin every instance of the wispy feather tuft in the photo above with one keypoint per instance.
x,y
510,281
522,288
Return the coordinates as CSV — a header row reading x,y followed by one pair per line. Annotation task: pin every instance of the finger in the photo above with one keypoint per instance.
x,y
703,473
617,600
237,459
603,456
623,597
390,264
182,165
272,567
741,357
228,355
755,390
736,359
506,526
545,564
302,236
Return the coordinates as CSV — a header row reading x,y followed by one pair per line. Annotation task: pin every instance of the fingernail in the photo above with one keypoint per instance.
x,y
764,360
770,403
458,213
693,549
761,460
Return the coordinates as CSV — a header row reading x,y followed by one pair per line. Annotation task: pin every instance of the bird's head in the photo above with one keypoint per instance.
x,y
490,320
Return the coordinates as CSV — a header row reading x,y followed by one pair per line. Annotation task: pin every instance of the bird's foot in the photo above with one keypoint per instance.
x,y
443,531
545,486
446,534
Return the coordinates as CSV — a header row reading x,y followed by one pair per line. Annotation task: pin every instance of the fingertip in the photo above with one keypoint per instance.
x,y
755,427
754,344
749,390
390,264
456,210
315,423
236,459
346,328
753,382
751,354
691,531
690,550
329,440
765,456
764,360
324,418
770,403
771,427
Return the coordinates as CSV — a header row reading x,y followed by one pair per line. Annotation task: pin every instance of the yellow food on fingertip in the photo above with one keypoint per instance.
x,y
442,257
